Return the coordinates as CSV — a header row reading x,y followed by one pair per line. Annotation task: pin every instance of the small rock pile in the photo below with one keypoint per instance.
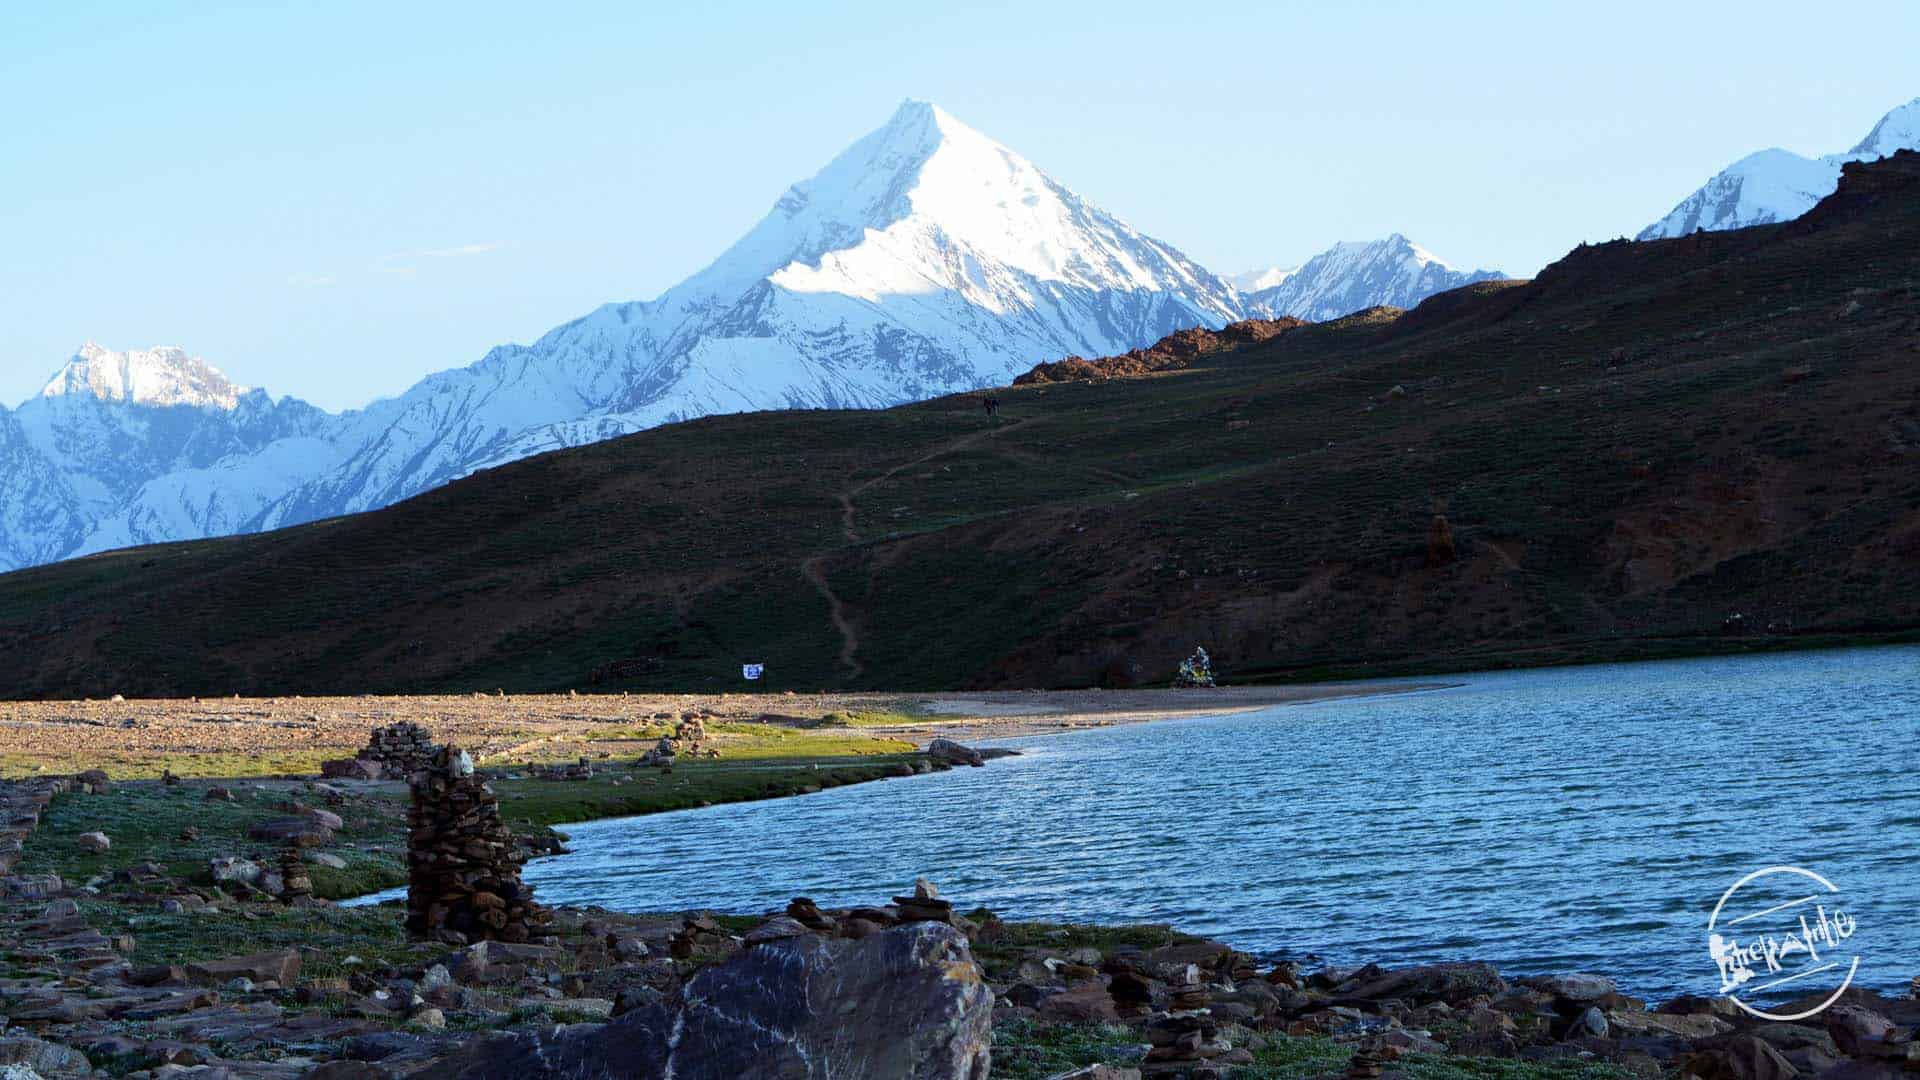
x,y
1186,1038
296,883
463,864
700,935
661,755
690,736
925,905
397,750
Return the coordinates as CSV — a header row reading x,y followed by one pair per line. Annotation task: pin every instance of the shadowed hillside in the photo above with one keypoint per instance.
x,y
1704,443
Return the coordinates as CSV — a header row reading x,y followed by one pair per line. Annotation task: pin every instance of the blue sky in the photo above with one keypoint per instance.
x,y
332,200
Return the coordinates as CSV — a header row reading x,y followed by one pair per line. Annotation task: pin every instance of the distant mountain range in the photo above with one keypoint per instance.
x,y
1395,272
1649,450
926,259
1779,185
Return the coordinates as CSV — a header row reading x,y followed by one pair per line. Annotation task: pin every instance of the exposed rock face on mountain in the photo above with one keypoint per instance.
x,y
1173,351
1394,272
1779,185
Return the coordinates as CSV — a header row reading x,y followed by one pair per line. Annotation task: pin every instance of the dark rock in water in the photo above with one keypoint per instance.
x,y
906,1002
953,753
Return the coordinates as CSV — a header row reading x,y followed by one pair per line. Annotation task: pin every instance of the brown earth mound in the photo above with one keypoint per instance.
x,y
1176,350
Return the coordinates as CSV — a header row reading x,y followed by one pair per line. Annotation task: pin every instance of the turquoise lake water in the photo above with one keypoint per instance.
x,y
1558,820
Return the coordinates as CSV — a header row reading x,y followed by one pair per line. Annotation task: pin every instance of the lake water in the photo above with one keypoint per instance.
x,y
1559,820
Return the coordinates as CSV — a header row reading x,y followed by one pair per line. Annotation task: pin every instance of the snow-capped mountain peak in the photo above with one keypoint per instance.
x,y
926,203
1898,130
1357,274
924,259
1779,185
162,376
1253,281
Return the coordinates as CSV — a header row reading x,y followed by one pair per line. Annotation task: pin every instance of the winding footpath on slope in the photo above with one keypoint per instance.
x,y
813,567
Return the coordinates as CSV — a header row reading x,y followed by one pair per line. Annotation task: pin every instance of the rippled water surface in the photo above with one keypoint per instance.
x,y
1580,818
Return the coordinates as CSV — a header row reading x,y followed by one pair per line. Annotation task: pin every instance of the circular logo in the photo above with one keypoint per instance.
x,y
1775,927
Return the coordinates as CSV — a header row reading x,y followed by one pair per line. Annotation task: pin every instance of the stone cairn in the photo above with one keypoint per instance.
x,y
689,738
690,735
1187,1037
398,750
463,872
925,905
296,881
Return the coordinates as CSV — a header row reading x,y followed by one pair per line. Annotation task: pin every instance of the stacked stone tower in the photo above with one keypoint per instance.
x,y
463,865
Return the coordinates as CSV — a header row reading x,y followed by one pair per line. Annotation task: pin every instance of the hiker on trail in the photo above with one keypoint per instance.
x,y
993,406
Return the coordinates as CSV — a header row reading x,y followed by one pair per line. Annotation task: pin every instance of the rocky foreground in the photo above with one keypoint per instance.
x,y
159,969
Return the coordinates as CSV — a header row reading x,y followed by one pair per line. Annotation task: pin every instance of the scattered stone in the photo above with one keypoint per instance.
x,y
808,914
353,768
232,869
298,831
46,1059
280,966
1859,1032
1575,988
1591,1023
1085,1002
95,843
778,928
579,770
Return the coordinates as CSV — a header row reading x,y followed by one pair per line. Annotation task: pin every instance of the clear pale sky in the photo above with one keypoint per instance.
x,y
331,200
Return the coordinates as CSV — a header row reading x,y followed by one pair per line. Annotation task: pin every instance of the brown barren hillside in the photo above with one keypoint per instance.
x,y
1688,445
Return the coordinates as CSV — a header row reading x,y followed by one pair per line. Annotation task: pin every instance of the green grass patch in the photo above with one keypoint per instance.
x,y
326,937
1027,1050
146,822
526,803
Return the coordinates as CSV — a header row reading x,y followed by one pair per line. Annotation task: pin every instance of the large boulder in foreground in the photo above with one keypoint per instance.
x,y
906,1002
